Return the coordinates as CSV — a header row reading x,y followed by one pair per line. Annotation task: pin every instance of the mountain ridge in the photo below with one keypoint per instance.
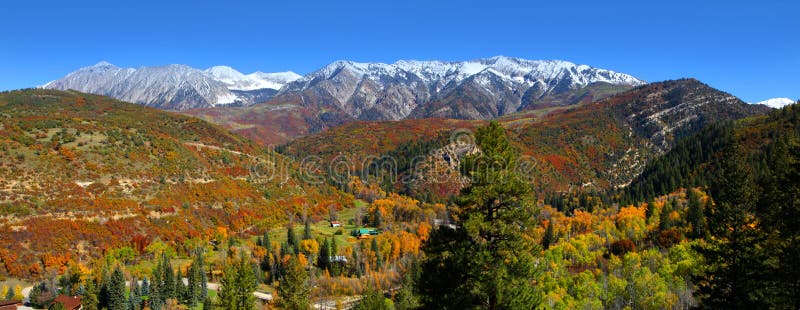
x,y
174,86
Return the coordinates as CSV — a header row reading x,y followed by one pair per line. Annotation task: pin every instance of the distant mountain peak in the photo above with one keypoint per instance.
x,y
174,86
103,63
777,103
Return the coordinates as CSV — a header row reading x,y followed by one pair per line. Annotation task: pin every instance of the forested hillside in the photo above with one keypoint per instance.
x,y
82,174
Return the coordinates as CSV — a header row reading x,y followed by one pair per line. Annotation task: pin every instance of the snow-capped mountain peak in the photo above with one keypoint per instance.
x,y
174,86
777,103
392,91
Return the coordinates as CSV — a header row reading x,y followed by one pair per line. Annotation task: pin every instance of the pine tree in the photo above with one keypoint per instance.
x,y
116,291
549,236
294,289
291,238
227,292
731,253
651,208
665,222
695,216
193,287
181,290
378,257
246,284
307,229
238,285
324,257
134,298
145,287
104,288
155,300
90,300
9,293
488,261
405,299
167,291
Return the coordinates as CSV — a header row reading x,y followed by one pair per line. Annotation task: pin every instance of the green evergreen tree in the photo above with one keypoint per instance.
x,y
488,261
9,294
406,299
227,293
294,288
167,291
664,220
731,253
779,210
145,287
246,284
695,215
209,303
291,238
193,295
90,300
324,257
307,229
116,291
181,290
651,208
238,285
549,237
134,297
155,300
378,257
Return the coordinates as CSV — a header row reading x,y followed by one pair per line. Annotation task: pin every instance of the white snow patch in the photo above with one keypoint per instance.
x,y
777,103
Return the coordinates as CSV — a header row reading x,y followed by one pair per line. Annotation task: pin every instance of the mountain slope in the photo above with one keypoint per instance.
x,y
81,174
486,88
174,87
695,160
596,145
480,89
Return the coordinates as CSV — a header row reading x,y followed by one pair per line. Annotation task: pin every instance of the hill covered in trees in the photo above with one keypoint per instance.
x,y
81,174
590,146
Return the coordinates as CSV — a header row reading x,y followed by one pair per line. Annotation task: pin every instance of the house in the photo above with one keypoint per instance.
x,y
69,303
364,232
339,259
336,224
10,304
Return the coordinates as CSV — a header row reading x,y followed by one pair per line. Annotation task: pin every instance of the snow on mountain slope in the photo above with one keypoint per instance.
x,y
777,103
235,80
408,87
474,89
174,87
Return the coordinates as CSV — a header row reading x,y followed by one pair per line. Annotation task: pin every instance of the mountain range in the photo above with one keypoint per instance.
x,y
175,87
475,89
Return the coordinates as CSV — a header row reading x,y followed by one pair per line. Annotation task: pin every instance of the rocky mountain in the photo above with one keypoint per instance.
x,y
175,87
475,89
597,145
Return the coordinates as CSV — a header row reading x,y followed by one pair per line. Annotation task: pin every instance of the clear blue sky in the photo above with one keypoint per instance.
x,y
751,50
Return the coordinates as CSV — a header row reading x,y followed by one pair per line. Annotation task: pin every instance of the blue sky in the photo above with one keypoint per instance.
x,y
750,49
